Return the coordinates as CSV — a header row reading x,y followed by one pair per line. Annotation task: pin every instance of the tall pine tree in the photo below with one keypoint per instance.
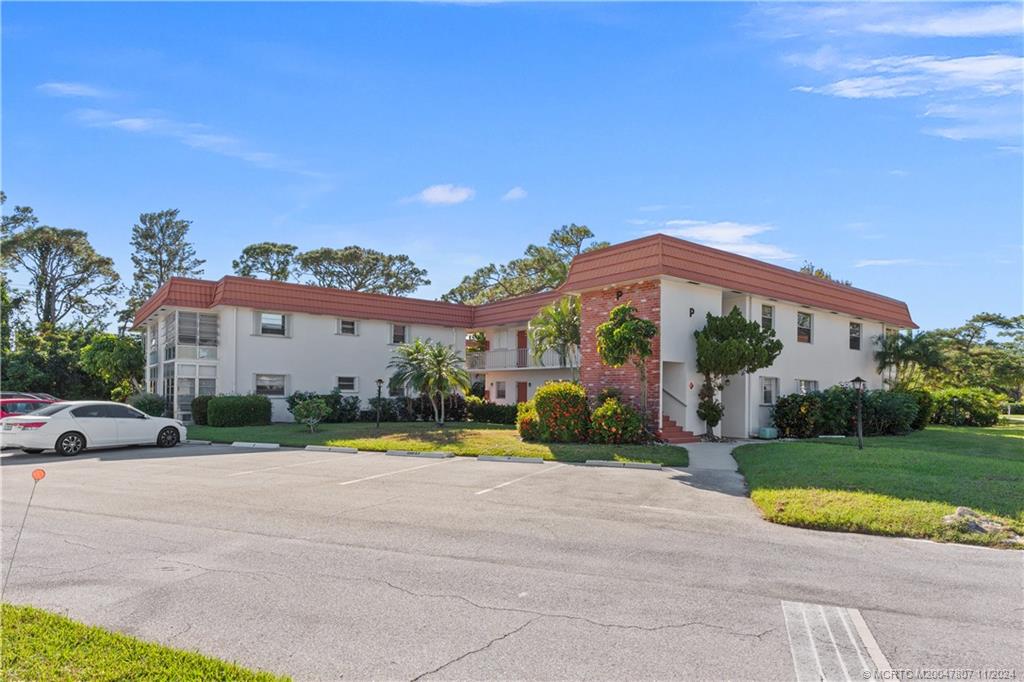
x,y
161,251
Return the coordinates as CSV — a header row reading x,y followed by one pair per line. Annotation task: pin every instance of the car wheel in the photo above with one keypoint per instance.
x,y
31,451
70,444
168,437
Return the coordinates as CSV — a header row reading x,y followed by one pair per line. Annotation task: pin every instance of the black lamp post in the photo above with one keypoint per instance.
x,y
859,385
380,384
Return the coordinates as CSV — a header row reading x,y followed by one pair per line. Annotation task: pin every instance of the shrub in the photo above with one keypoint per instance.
x,y
454,408
798,416
562,412
527,422
477,389
239,410
974,407
479,410
888,413
1016,408
200,407
614,422
311,412
150,403
340,407
609,392
925,408
839,411
388,409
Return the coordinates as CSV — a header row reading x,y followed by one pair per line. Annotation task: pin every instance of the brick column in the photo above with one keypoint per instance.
x,y
645,296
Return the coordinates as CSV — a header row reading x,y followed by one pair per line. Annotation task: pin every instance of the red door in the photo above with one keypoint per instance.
x,y
522,348
521,391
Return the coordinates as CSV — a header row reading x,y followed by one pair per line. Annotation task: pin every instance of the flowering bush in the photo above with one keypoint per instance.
x,y
563,412
527,422
613,422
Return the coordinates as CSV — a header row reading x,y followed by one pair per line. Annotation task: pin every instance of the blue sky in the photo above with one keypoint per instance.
x,y
883,142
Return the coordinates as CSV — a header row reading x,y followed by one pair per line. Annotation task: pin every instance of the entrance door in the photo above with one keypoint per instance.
x,y
522,348
521,387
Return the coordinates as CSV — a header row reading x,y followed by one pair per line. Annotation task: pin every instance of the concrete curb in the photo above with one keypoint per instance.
x,y
413,453
189,441
246,444
621,465
510,458
328,448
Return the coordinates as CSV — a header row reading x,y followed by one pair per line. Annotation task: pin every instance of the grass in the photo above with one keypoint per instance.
x,y
461,438
899,485
42,646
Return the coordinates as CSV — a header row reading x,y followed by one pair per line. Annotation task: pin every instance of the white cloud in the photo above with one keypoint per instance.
x,y
909,19
991,20
514,194
883,262
443,194
65,89
728,236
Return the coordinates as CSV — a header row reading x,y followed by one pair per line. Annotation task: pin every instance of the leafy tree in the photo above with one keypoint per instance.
x,y
67,276
11,303
726,346
358,269
311,412
47,360
557,327
267,259
986,351
161,250
541,268
116,360
906,356
627,338
809,268
431,369
22,217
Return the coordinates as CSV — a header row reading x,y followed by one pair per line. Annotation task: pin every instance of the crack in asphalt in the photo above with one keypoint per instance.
x,y
475,651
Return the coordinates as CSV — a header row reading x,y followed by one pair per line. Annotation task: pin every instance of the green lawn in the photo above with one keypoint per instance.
x,y
896,485
41,646
461,438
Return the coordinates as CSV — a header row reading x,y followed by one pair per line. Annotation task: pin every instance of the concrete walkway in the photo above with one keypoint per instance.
x,y
716,456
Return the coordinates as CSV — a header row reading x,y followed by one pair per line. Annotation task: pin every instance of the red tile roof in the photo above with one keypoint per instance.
x,y
663,255
643,258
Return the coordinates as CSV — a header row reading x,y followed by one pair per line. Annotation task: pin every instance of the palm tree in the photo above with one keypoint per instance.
x,y
557,327
905,356
432,369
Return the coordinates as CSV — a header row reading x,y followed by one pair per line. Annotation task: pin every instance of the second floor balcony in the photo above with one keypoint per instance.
x,y
515,358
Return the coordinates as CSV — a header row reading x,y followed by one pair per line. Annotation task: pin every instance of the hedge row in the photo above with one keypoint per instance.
x,y
560,413
238,410
967,407
482,411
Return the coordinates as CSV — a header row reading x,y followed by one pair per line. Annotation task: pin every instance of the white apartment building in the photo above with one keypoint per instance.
x,y
242,335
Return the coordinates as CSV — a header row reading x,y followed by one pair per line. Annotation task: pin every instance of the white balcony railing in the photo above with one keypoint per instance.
x,y
515,358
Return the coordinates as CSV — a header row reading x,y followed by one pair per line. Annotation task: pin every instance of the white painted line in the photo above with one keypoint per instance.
x,y
281,466
400,471
822,643
814,649
877,657
792,647
516,480
846,624
839,655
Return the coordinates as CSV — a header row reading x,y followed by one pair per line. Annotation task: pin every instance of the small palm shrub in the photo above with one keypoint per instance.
x,y
150,403
527,422
973,407
615,422
563,412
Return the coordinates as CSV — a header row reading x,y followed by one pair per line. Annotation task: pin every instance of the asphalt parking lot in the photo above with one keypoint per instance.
x,y
329,566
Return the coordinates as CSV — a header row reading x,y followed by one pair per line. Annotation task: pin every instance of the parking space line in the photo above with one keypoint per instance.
x,y
284,466
823,652
392,473
875,651
516,480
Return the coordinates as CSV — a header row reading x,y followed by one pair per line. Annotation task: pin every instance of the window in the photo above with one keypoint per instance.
x,y
805,386
124,412
272,324
350,384
499,390
270,384
348,327
207,387
769,390
91,412
399,333
767,317
855,329
51,409
804,324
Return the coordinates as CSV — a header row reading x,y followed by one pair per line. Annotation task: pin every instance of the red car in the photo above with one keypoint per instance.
x,y
11,407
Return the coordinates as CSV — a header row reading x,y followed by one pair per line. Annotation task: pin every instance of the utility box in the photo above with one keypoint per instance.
x,y
768,433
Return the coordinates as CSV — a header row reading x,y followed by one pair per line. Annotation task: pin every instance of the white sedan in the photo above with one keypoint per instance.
x,y
70,427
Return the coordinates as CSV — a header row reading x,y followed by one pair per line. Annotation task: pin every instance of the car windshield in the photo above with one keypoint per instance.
x,y
50,409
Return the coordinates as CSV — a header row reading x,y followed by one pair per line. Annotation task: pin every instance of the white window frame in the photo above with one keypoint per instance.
x,y
812,386
860,336
391,332
770,309
500,390
355,384
355,327
773,384
284,383
258,324
810,327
